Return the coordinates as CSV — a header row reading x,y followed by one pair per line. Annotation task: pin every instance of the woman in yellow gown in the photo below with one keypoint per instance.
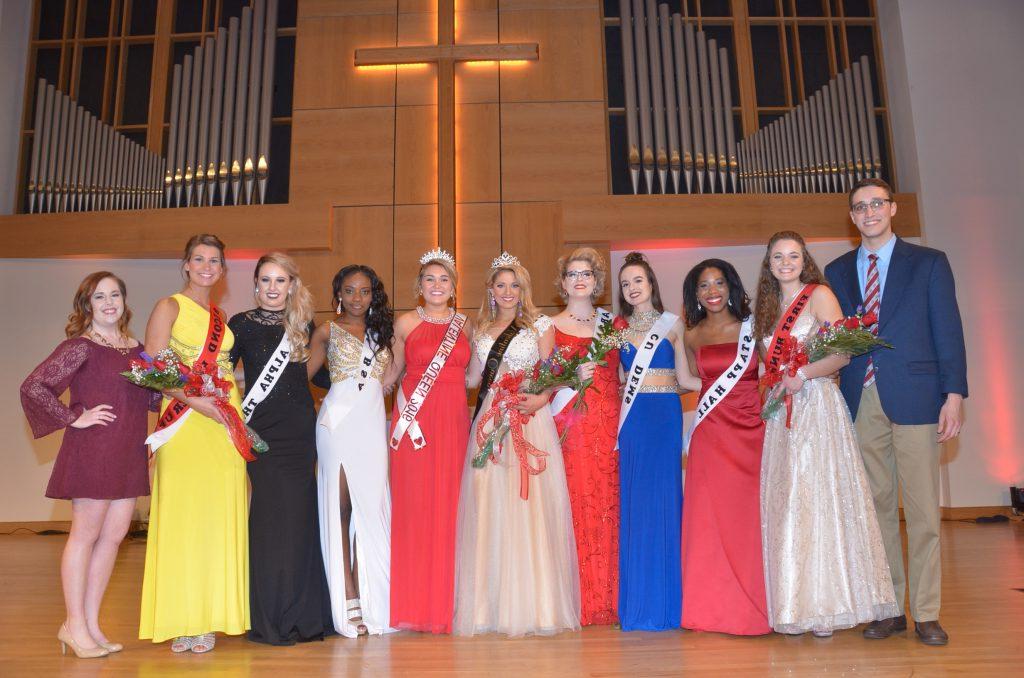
x,y
196,579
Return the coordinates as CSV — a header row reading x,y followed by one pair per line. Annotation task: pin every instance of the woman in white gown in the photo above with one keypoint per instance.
x,y
515,569
352,452
825,565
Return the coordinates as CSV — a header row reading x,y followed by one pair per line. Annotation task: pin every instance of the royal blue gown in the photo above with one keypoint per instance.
x,y
650,477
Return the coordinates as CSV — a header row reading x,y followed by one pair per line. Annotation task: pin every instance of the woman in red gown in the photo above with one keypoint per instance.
x,y
591,461
723,578
425,481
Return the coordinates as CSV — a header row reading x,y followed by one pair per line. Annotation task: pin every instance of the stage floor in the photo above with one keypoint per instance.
x,y
983,611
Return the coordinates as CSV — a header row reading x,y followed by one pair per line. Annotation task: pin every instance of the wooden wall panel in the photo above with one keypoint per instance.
x,y
478,161
343,156
318,8
415,155
362,235
417,83
478,242
325,74
571,65
415,233
551,151
532,231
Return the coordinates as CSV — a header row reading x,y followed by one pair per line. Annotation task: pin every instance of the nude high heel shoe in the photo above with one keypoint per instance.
x,y
64,636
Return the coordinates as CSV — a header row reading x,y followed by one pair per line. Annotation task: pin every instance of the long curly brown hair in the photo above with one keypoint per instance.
x,y
769,296
80,319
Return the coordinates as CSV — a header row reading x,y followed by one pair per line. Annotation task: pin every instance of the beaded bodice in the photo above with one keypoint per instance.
x,y
523,350
344,352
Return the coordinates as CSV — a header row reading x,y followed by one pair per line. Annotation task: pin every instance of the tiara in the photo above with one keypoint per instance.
x,y
437,254
505,259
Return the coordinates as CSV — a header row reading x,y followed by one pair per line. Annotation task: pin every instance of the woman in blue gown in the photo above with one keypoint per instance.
x,y
650,454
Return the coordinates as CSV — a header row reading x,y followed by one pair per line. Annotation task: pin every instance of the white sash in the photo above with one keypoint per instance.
x,y
160,436
642,362
410,408
728,379
564,396
265,383
334,409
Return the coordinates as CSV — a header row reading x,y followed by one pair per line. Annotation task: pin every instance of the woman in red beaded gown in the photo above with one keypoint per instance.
x,y
723,579
427,460
591,461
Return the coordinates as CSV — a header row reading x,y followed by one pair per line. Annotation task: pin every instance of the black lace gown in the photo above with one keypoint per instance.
x,y
288,597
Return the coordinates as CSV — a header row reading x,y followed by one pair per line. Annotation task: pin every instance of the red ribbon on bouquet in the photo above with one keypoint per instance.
x,y
791,358
506,397
204,380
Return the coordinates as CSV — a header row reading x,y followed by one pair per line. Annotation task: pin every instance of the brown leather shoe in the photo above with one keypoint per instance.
x,y
931,633
883,628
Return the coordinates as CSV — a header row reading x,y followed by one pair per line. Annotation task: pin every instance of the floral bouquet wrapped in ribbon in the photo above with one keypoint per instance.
x,y
167,371
559,370
850,336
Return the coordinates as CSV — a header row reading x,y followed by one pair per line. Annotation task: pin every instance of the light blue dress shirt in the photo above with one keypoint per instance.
x,y
884,257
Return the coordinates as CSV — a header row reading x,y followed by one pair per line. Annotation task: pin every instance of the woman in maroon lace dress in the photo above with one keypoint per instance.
x,y
591,462
102,464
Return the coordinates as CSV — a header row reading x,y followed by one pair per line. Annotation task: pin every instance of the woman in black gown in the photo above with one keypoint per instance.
x,y
288,597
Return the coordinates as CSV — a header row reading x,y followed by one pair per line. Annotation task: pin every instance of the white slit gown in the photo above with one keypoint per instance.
x,y
351,433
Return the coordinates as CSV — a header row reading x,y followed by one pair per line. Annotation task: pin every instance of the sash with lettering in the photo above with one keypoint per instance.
x,y
177,412
778,353
265,383
642,361
726,381
409,409
339,401
564,396
493,362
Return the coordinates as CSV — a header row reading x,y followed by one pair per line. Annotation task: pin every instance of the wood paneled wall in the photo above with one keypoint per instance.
x,y
532,161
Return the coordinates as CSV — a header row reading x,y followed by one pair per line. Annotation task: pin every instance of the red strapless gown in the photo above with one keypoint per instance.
x,y
723,578
592,473
425,489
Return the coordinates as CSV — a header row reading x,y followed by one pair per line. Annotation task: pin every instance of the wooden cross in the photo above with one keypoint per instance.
x,y
445,54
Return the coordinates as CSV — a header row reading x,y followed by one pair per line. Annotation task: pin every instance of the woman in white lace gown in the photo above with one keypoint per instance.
x,y
515,568
824,561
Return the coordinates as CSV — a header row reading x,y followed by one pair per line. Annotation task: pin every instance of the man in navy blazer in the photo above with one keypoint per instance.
x,y
907,400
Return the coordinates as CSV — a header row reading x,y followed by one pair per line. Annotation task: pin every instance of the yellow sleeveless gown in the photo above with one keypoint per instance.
x,y
197,554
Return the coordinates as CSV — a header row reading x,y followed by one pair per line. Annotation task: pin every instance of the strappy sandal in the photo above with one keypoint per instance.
x,y
353,612
182,643
204,643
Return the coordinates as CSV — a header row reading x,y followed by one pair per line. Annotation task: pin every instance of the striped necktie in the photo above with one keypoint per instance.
x,y
871,305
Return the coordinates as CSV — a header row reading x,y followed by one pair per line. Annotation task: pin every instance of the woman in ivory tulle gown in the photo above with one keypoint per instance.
x,y
824,562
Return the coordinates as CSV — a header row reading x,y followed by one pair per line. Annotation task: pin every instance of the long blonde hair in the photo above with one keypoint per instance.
x,y
298,309
484,319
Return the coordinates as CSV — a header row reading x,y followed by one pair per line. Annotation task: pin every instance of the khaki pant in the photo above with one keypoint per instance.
x,y
907,458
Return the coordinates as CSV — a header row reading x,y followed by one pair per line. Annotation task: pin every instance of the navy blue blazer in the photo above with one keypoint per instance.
x,y
919,316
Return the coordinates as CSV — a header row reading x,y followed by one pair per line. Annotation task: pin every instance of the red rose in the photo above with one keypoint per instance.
x,y
852,323
557,369
620,323
183,369
160,365
869,319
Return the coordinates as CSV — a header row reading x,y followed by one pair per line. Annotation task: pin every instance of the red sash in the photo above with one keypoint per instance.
x,y
781,347
211,349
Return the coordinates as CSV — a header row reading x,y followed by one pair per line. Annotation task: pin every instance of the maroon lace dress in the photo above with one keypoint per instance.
x,y
99,462
592,473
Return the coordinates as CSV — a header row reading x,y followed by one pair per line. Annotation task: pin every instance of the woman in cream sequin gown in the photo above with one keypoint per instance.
x,y
515,569
825,565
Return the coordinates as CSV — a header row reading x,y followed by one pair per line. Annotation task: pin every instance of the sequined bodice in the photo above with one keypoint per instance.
x,y
804,327
522,351
344,351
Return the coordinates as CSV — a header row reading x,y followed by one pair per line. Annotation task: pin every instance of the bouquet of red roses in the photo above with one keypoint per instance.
x,y
167,371
850,336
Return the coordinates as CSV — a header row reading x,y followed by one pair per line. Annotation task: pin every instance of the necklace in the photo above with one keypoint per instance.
x,y
642,321
786,303
103,340
583,320
431,319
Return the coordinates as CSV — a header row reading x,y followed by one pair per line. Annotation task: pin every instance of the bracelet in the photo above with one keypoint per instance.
x,y
800,373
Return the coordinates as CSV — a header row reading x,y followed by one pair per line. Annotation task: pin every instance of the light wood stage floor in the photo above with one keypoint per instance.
x,y
983,610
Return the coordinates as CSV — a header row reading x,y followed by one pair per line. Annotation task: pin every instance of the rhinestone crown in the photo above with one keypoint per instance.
x,y
437,254
505,259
